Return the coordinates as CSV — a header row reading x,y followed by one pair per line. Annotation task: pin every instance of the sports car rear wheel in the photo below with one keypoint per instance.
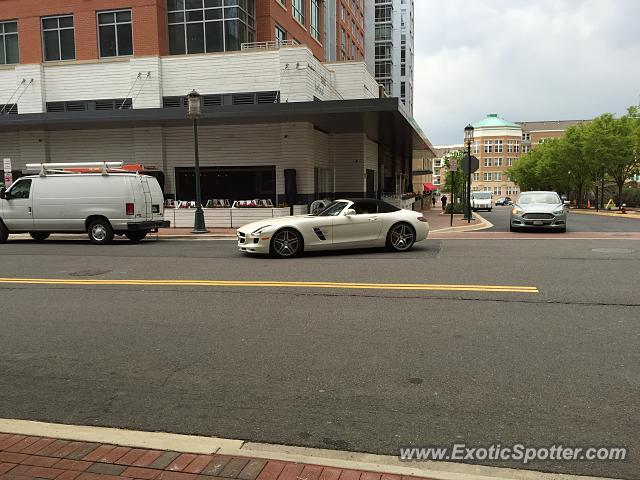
x,y
401,237
286,243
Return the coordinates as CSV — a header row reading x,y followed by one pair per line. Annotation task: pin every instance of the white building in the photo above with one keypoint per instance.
x,y
265,110
389,46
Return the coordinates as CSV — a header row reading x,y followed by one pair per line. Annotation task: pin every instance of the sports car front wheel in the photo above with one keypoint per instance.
x,y
401,237
286,243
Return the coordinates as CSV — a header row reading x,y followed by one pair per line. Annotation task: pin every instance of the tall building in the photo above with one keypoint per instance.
x,y
389,45
106,80
297,21
499,143
345,30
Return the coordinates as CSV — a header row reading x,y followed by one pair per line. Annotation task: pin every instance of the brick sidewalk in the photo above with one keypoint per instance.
x,y
25,458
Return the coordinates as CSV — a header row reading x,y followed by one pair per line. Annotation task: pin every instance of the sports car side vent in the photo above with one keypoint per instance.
x,y
319,233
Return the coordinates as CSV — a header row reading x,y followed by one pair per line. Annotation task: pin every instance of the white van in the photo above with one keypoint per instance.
x,y
481,201
100,204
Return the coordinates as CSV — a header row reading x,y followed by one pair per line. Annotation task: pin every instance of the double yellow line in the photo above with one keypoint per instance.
x,y
273,284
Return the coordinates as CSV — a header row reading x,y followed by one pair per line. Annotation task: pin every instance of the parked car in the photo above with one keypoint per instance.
x,y
481,201
342,224
539,210
504,201
100,204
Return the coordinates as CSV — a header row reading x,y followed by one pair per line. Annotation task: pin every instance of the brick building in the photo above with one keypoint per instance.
x,y
499,143
94,80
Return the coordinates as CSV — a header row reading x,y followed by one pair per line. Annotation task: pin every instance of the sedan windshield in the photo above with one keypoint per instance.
x,y
332,210
551,198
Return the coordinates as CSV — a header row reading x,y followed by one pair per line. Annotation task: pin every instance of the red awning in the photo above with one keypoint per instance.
x,y
429,187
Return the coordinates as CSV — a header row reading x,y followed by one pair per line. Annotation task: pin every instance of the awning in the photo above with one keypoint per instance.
x,y
429,187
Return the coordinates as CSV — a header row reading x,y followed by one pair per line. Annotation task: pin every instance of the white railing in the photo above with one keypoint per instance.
x,y
273,45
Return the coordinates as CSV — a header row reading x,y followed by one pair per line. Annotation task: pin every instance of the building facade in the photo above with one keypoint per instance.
x,y
345,28
499,143
106,80
390,43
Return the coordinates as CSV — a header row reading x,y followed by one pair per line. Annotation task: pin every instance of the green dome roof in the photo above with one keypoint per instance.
x,y
492,120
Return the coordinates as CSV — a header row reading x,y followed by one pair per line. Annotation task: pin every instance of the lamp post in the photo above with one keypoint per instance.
x,y
195,112
468,138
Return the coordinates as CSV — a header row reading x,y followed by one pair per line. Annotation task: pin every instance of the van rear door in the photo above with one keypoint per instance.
x,y
148,199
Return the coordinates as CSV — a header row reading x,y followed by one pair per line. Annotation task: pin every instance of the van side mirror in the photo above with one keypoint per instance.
x,y
3,193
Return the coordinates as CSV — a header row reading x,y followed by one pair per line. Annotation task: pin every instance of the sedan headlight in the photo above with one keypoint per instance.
x,y
559,212
517,211
260,230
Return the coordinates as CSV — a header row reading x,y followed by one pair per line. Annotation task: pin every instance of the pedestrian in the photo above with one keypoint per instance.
x,y
433,199
444,199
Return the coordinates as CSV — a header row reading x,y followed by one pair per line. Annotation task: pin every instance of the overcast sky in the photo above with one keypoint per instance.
x,y
523,59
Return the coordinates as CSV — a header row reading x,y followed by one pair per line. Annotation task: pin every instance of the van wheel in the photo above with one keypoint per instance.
x,y
135,237
4,233
100,232
39,236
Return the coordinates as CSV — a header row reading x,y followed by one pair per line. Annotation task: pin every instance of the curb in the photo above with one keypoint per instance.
x,y
630,215
483,225
330,458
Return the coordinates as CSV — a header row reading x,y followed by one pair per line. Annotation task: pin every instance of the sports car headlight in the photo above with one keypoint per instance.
x,y
517,211
260,230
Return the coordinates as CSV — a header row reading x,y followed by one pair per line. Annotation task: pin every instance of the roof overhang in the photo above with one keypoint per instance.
x,y
383,120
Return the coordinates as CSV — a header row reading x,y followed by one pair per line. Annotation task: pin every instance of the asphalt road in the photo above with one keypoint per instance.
x,y
359,369
576,222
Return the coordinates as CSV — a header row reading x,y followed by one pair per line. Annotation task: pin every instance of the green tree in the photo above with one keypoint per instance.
x,y
460,177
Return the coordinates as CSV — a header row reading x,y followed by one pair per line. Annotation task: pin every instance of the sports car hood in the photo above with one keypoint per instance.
x,y
539,207
253,226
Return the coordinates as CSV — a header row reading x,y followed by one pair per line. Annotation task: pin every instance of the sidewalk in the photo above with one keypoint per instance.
x,y
604,213
37,450
26,457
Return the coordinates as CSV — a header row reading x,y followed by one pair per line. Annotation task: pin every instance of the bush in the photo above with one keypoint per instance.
x,y
457,208
631,196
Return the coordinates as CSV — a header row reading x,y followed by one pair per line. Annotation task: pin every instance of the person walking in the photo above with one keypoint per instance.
x,y
433,199
444,199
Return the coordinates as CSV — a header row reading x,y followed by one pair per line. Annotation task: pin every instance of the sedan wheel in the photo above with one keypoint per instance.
x,y
401,237
286,243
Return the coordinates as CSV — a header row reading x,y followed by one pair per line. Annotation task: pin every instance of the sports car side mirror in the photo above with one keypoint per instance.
x,y
350,212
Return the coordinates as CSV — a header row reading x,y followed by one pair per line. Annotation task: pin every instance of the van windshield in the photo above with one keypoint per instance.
x,y
481,195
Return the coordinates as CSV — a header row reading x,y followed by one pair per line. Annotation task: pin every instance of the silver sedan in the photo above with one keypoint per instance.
x,y
539,210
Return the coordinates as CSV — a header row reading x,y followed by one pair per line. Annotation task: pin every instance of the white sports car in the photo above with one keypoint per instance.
x,y
343,224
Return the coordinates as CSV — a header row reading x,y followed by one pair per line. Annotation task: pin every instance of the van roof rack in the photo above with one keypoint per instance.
x,y
75,167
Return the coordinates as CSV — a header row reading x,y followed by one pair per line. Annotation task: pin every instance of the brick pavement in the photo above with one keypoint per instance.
x,y
27,457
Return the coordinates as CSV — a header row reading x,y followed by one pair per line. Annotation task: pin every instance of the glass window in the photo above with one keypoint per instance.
x,y
199,26
58,38
20,189
297,8
315,19
281,34
9,53
115,34
333,210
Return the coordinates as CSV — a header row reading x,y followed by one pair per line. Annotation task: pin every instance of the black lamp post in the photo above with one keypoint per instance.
x,y
194,113
468,138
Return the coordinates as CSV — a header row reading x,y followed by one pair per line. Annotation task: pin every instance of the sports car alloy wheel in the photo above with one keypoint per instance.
x,y
286,243
401,237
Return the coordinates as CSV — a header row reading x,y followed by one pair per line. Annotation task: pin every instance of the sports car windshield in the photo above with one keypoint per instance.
x,y
550,198
332,210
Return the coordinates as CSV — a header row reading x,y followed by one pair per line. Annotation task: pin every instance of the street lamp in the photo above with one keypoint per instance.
x,y
468,138
194,113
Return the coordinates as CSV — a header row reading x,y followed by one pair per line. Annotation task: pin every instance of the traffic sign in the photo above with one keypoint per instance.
x,y
453,165
470,166
8,177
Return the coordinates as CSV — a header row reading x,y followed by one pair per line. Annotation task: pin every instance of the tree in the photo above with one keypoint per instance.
x,y
460,177
613,142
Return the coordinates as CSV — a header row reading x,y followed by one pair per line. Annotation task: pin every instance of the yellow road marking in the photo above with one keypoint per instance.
x,y
273,284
